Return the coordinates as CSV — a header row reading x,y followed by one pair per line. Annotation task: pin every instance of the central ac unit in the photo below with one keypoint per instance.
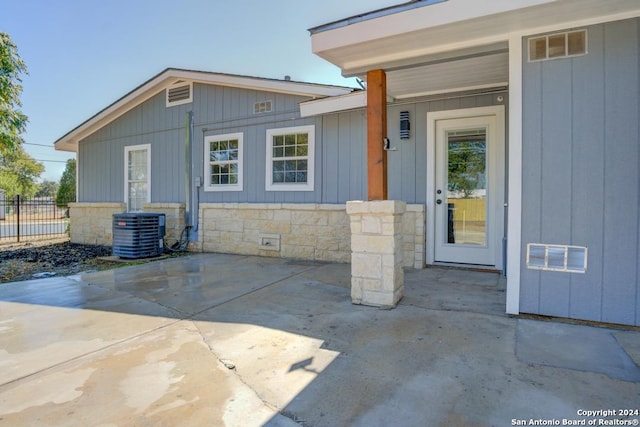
x,y
138,234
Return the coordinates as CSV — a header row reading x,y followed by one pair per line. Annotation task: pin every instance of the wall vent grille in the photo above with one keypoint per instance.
x,y
179,93
563,258
262,107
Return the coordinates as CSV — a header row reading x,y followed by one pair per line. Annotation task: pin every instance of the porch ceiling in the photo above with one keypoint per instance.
x,y
447,45
467,73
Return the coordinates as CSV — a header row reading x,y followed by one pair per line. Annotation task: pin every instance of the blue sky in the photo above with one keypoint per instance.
x,y
83,55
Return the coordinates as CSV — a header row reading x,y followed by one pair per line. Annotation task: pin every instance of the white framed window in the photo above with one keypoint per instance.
x,y
290,159
137,176
223,162
181,92
563,258
559,45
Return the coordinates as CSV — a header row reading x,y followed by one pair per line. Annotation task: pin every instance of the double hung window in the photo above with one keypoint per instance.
x,y
223,162
290,159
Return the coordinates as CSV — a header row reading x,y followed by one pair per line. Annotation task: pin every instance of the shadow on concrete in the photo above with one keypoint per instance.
x,y
447,355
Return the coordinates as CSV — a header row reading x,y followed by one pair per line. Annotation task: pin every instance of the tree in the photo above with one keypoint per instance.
x,y
47,189
67,189
467,167
19,173
12,121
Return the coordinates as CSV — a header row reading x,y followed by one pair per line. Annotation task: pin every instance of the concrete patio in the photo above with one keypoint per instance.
x,y
214,339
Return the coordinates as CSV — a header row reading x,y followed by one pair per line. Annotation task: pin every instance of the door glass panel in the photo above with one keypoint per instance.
x,y
467,187
137,186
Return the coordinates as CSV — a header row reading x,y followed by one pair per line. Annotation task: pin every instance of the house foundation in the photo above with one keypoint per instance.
x,y
377,277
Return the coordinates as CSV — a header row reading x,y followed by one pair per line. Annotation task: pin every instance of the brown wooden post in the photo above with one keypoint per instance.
x,y
376,132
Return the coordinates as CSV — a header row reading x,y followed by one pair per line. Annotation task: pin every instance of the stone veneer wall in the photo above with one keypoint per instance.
x,y
174,218
413,236
92,223
311,231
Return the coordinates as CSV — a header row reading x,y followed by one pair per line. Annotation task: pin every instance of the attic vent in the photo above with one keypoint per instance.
x,y
559,45
262,107
564,258
180,92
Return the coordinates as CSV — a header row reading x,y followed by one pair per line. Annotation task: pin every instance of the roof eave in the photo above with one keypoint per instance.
x,y
69,141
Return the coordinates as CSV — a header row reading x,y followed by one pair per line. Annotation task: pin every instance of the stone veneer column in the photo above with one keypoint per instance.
x,y
377,278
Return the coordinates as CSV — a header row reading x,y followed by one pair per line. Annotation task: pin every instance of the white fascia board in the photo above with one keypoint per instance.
x,y
416,19
451,90
69,142
333,104
279,86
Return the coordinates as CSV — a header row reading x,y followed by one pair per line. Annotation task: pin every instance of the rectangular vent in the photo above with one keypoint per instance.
x,y
179,93
269,242
561,45
262,107
563,258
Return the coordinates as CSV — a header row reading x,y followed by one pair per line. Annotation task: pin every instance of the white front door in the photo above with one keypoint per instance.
x,y
467,194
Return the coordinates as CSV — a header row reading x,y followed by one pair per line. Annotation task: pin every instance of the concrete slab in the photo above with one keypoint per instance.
x,y
245,341
576,347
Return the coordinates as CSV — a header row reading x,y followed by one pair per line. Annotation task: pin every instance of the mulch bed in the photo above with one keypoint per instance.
x,y
20,261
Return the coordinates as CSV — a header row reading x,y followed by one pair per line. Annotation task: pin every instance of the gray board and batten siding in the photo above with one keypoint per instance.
x,y
340,147
581,176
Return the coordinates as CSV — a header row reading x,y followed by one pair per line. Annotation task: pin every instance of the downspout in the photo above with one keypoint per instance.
x,y
188,138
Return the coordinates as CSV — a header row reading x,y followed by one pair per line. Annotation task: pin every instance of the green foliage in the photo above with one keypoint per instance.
x,y
12,121
67,188
19,173
47,189
466,167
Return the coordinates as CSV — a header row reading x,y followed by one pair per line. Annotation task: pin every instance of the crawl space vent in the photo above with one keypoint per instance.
x,y
179,93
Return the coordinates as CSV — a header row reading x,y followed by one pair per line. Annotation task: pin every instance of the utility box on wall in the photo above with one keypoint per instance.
x,y
138,234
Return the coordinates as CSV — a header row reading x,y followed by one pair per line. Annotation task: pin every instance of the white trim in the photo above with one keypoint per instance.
x,y
334,104
127,150
404,30
207,162
434,15
432,118
453,90
309,185
514,210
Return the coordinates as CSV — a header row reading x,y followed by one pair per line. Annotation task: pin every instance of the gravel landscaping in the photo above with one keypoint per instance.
x,y
20,261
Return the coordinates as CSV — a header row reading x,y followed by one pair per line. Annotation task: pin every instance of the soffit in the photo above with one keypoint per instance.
x,y
360,47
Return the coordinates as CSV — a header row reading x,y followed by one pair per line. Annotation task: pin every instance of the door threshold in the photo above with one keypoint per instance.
x,y
471,267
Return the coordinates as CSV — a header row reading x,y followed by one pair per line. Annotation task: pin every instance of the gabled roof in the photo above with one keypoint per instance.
x,y
158,83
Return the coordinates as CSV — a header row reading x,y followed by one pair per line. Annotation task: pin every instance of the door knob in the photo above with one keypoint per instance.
x,y
439,201
439,191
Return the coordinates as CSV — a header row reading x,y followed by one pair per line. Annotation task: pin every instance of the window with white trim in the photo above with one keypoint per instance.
x,y
559,45
223,162
137,176
290,159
